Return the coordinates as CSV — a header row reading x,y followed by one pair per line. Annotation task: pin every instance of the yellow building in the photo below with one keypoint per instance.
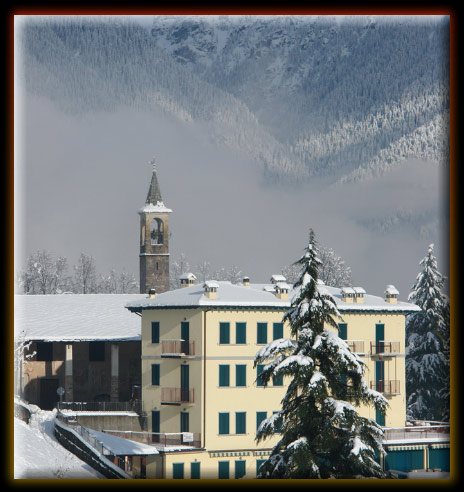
x,y
198,381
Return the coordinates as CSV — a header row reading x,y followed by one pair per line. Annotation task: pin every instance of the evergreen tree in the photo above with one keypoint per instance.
x,y
322,434
427,361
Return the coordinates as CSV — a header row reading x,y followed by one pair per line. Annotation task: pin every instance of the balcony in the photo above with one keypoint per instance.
x,y
177,396
177,348
390,387
356,346
385,349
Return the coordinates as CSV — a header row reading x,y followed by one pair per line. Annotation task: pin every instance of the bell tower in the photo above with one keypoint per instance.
x,y
154,240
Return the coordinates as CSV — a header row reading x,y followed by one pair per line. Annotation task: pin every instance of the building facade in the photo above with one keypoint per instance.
x,y
198,349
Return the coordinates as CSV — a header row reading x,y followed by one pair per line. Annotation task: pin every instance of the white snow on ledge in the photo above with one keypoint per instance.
x,y
159,207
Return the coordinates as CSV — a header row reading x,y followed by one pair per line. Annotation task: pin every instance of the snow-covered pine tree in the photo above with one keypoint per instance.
x,y
427,331
322,434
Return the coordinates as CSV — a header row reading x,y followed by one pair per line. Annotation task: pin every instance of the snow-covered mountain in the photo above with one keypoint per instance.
x,y
342,97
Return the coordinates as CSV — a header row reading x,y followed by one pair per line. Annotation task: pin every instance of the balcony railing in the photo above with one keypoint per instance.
x,y
385,348
391,387
418,433
176,396
101,406
177,348
160,439
356,346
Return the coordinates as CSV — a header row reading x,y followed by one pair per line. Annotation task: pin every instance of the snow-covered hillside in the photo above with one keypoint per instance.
x,y
37,454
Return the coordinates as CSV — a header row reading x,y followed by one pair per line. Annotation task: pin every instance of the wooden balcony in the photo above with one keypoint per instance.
x,y
385,349
356,346
177,396
390,387
177,348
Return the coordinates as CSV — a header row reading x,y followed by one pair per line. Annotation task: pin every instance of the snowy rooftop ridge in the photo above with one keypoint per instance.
x,y
256,295
159,207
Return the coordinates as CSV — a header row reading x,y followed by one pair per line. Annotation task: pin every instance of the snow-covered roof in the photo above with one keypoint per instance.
x,y
282,286
359,290
122,447
348,290
73,317
254,295
211,284
187,276
278,278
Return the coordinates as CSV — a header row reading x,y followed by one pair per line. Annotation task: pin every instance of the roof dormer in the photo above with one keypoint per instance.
x,y
281,290
391,294
211,288
278,278
359,295
187,279
348,294
246,281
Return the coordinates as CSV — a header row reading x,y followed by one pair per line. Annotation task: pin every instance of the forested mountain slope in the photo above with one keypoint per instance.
x,y
344,98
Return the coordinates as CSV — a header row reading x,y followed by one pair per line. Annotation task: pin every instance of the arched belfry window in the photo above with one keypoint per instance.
x,y
157,231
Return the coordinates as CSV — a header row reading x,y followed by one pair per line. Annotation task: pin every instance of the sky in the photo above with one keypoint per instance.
x,y
80,181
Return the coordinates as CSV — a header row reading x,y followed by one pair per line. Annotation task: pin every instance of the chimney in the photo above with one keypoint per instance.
x,y
187,280
359,295
152,293
391,294
278,278
246,281
281,290
211,288
348,294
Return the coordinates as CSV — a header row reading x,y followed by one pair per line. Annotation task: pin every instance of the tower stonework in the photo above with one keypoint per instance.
x,y
154,240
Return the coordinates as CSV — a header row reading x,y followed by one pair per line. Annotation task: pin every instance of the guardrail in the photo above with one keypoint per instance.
x,y
162,439
101,406
385,348
387,387
177,348
356,346
413,433
177,396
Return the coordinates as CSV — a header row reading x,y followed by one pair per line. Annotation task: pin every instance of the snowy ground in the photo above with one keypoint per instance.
x,y
37,454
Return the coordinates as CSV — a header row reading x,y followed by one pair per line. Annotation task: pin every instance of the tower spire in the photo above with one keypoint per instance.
x,y
154,192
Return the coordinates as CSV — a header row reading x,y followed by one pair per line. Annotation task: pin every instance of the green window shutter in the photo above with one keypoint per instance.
x,y
155,332
240,332
259,370
240,375
343,330
262,333
223,423
380,418
155,374
240,422
278,331
240,467
195,470
184,421
278,380
379,337
177,470
260,416
258,464
155,421
223,469
224,332
224,375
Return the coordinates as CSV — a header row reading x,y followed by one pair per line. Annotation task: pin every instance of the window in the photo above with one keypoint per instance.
x,y
155,332
224,333
240,375
155,374
262,333
224,423
278,380
259,370
155,420
258,464
195,470
278,331
224,375
44,351
223,469
343,330
184,421
240,333
260,416
96,351
177,470
240,422
240,468
157,231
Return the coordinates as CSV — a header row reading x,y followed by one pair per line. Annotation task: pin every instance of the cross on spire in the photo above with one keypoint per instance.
x,y
153,163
